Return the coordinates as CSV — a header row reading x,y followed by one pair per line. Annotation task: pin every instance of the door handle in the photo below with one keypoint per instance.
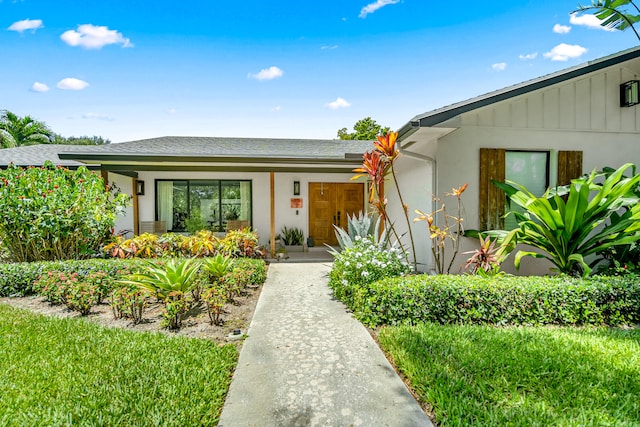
x,y
334,220
339,218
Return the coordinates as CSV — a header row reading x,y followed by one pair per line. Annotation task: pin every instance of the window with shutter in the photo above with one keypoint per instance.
x,y
529,168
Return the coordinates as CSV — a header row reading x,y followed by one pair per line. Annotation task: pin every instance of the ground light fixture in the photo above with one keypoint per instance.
x,y
140,188
629,93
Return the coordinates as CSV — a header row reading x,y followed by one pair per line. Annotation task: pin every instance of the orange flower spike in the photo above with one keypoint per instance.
x,y
458,191
387,145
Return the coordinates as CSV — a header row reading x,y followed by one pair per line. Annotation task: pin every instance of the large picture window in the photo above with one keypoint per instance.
x,y
210,202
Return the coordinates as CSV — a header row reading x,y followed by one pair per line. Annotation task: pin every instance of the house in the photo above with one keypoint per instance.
x,y
264,183
539,133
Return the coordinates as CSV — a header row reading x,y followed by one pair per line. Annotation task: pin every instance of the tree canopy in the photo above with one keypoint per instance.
x,y
17,131
80,140
365,129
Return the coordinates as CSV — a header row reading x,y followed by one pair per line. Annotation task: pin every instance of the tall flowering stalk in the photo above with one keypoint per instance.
x,y
451,230
376,164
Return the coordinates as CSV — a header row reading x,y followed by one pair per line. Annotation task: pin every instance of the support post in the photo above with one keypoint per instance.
x,y
134,201
272,239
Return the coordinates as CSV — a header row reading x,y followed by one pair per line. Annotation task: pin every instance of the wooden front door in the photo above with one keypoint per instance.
x,y
329,204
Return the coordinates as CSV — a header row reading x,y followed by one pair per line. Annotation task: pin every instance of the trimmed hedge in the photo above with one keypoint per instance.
x,y
16,279
502,300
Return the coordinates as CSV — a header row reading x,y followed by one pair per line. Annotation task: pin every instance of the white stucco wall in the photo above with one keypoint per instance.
x,y
581,114
415,179
125,185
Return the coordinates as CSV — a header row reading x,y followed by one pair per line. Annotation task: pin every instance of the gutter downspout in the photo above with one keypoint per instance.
x,y
434,172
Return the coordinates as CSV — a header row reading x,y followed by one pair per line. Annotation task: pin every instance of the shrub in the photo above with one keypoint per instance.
x,y
503,300
54,286
82,296
241,244
256,269
128,302
52,213
17,279
79,294
204,243
175,308
363,263
214,298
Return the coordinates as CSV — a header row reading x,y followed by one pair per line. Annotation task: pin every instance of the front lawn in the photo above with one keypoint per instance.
x,y
69,371
483,375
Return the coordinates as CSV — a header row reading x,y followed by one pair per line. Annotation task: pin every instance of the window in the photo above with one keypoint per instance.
x,y
529,168
210,202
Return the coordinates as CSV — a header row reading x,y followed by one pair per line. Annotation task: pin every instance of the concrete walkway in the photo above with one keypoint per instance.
x,y
307,362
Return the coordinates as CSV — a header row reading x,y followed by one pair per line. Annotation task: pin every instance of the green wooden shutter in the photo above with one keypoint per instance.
x,y
492,200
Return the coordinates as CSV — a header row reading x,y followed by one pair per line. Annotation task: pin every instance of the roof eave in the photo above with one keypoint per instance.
x,y
137,158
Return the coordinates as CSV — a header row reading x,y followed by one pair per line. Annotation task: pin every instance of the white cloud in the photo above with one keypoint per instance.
x,y
71,83
338,103
26,24
270,73
97,116
372,7
561,29
335,46
500,66
276,109
94,37
528,56
172,111
563,52
587,20
39,87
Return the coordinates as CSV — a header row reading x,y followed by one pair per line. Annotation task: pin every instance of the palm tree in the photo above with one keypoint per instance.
x,y
611,14
17,131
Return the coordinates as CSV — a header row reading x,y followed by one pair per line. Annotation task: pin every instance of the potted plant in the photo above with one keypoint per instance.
x,y
292,238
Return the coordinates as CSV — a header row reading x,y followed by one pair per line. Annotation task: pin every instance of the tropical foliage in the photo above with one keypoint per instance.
x,y
51,212
204,243
567,231
17,131
376,165
613,14
161,280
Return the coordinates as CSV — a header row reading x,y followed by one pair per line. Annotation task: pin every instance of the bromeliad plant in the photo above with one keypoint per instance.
x,y
175,276
569,231
170,283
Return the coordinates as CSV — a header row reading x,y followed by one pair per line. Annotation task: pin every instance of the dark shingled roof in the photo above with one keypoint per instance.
x,y
36,155
211,147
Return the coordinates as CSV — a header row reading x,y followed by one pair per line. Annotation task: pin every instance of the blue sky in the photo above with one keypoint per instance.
x,y
135,69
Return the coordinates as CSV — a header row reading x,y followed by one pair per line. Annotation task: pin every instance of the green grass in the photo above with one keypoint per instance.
x,y
524,376
72,372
